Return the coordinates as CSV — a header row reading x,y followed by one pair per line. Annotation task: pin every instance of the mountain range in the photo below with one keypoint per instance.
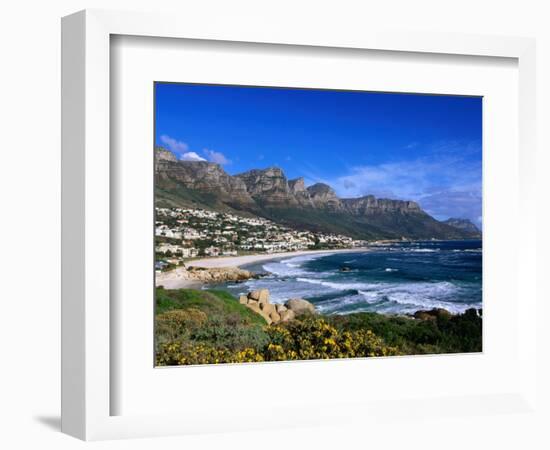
x,y
268,193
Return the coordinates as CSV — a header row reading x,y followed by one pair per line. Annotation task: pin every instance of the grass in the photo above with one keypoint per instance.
x,y
212,302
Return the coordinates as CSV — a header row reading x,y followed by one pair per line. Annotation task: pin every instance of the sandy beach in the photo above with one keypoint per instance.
x,y
238,261
177,278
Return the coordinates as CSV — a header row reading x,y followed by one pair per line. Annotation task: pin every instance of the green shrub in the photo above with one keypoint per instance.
x,y
231,334
459,333
178,323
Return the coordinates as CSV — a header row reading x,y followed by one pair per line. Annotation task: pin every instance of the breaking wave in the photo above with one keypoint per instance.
x,y
399,282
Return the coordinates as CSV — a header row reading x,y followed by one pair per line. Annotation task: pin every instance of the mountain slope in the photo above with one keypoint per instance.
x,y
464,225
268,193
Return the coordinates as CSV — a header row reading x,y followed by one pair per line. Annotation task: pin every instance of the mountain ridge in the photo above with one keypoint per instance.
x,y
269,193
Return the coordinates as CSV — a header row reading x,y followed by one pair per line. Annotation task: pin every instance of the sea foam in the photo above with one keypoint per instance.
x,y
407,290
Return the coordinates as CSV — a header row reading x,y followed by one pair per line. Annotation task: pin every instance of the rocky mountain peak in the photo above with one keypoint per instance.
x,y
268,185
298,188
322,195
320,189
297,185
274,172
162,154
202,176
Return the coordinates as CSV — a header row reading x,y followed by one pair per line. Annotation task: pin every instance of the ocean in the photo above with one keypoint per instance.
x,y
400,278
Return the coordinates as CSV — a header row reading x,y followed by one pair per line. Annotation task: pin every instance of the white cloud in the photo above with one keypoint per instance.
x,y
191,156
447,184
174,145
216,157
180,148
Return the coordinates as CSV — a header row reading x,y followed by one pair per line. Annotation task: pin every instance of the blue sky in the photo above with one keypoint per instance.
x,y
415,147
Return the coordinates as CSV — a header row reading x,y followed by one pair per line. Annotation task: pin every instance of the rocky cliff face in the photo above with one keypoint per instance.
x,y
161,154
372,205
205,177
301,194
323,196
268,186
268,193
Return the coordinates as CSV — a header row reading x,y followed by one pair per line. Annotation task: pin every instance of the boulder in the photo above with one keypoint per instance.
x,y
287,315
300,306
424,315
254,295
443,313
274,316
267,308
258,301
264,296
432,314
254,307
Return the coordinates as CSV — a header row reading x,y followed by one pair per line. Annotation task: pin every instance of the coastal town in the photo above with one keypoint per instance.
x,y
183,234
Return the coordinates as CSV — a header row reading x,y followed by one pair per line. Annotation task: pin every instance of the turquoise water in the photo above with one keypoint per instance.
x,y
400,278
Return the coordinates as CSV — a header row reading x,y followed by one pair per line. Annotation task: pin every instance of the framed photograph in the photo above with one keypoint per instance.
x,y
266,254
253,217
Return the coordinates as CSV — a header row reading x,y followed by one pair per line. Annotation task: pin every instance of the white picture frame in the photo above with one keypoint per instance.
x,y
87,325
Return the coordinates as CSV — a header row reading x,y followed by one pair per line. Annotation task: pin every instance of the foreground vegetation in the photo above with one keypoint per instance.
x,y
204,327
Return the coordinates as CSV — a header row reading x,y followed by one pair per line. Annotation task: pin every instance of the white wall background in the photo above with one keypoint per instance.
x,y
30,195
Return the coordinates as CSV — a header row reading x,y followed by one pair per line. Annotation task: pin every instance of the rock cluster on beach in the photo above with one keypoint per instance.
x,y
258,301
218,274
175,278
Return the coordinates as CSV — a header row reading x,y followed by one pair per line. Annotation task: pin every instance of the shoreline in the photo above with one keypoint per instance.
x,y
244,260
180,278
175,279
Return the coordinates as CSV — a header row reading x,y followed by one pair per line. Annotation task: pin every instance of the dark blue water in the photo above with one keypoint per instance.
x,y
399,278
